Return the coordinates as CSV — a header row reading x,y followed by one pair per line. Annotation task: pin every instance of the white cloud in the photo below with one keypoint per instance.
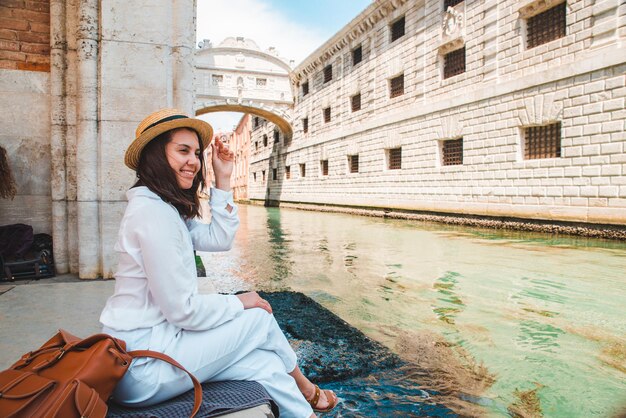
x,y
257,20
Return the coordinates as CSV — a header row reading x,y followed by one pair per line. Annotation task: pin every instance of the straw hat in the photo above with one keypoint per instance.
x,y
162,121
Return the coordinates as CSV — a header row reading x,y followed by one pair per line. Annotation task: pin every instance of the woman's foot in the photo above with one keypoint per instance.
x,y
321,400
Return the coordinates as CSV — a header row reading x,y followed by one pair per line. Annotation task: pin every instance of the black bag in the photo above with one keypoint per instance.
x,y
23,254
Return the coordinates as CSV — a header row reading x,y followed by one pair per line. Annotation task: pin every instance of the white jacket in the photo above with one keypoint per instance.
x,y
156,279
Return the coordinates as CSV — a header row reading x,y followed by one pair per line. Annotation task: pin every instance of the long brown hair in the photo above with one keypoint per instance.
x,y
155,172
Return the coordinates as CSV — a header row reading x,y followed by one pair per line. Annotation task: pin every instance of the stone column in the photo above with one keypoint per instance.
x,y
58,66
183,40
87,146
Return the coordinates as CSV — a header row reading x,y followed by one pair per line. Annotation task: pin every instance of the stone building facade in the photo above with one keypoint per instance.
x,y
68,114
492,108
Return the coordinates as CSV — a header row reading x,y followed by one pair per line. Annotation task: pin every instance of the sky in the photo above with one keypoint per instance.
x,y
295,28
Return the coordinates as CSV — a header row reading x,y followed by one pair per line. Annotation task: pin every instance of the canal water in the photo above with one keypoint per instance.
x,y
497,323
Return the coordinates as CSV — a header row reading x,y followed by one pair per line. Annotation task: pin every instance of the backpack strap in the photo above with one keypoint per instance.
x,y
197,388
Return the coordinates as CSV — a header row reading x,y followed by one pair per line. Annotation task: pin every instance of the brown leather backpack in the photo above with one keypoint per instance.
x,y
71,377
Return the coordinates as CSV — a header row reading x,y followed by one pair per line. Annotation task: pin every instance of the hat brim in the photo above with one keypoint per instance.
x,y
133,153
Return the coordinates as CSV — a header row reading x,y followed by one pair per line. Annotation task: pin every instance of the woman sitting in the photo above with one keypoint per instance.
x,y
156,304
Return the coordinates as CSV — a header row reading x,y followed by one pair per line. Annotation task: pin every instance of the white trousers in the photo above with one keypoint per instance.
x,y
250,347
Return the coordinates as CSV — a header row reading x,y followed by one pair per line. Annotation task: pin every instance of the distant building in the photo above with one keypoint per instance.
x,y
494,108
238,72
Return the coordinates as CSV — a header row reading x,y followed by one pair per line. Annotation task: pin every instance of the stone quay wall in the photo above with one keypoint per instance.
x,y
577,80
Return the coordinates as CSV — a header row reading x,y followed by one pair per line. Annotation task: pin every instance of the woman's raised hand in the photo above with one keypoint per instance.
x,y
253,300
223,162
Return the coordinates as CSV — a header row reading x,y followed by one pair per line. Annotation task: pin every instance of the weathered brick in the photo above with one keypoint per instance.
x,y
36,38
9,45
14,24
31,15
41,49
11,55
40,6
8,64
10,35
40,27
29,66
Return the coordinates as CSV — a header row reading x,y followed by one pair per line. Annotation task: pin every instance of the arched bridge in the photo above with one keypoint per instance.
x,y
279,116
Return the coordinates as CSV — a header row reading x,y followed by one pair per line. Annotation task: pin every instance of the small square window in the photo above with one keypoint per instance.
x,y
355,101
452,152
450,3
357,55
324,167
454,63
302,170
328,73
397,29
305,125
353,163
542,141
288,172
276,135
263,175
396,86
274,174
394,159
305,88
261,82
546,26
327,115
265,140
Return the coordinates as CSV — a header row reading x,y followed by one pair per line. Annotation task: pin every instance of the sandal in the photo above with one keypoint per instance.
x,y
330,395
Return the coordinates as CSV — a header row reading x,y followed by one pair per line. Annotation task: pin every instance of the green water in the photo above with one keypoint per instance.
x,y
543,314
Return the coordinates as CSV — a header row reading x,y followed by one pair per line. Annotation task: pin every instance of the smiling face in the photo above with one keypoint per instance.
x,y
183,155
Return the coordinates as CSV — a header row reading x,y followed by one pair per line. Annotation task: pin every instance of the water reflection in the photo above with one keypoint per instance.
x,y
450,304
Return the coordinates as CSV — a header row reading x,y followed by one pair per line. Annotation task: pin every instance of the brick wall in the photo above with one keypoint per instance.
x,y
25,35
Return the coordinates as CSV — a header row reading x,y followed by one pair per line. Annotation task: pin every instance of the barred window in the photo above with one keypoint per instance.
x,y
454,63
394,159
356,102
542,141
276,135
302,170
452,152
263,175
288,172
327,115
328,73
265,140
450,3
397,29
324,166
305,125
305,88
357,55
353,163
274,173
217,80
396,86
546,26
261,82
